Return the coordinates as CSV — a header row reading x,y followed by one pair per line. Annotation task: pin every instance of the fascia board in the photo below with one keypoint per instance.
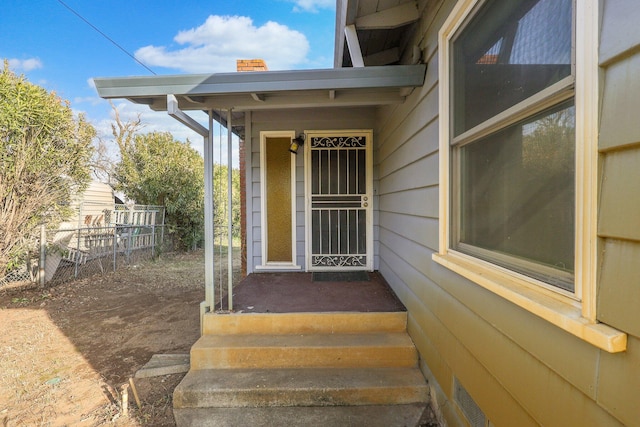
x,y
262,82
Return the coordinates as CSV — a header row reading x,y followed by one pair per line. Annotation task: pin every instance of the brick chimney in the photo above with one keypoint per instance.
x,y
245,65
251,65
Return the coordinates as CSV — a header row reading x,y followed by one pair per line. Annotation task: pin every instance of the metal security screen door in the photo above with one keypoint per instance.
x,y
339,187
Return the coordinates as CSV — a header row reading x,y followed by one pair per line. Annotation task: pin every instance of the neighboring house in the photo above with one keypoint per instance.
x,y
100,219
496,193
91,206
92,209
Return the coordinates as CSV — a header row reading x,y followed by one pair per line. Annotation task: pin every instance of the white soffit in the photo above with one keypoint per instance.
x,y
373,32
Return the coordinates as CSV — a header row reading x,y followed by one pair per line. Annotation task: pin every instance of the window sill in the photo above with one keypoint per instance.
x,y
560,311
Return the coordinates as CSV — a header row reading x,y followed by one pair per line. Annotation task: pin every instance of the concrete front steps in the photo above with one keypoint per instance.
x,y
299,369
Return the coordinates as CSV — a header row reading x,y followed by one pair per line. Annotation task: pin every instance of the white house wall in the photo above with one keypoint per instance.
x,y
299,121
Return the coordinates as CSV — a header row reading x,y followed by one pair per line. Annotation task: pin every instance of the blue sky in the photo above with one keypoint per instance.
x,y
55,49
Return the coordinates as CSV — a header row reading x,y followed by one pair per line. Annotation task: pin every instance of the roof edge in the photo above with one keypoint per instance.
x,y
268,81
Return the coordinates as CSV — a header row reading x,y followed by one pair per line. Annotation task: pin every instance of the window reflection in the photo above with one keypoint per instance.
x,y
509,52
517,193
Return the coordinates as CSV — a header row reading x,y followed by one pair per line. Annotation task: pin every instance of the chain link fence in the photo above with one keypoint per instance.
x,y
104,242
24,272
84,252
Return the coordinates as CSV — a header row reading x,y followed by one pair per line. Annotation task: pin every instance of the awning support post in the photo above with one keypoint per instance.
x,y
230,211
209,272
209,278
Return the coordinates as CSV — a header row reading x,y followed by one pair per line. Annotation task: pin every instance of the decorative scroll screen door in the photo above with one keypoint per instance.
x,y
339,188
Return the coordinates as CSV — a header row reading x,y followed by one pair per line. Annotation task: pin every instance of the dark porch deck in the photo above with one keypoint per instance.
x,y
299,292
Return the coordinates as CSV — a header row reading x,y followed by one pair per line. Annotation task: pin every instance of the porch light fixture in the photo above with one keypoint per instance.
x,y
296,143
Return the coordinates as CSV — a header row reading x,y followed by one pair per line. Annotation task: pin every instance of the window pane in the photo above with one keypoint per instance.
x,y
509,51
517,194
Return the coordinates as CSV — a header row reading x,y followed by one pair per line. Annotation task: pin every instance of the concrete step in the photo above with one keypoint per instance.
x,y
300,387
336,416
383,350
302,323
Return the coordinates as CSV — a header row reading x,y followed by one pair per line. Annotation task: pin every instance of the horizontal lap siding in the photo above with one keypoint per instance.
x,y
421,173
620,197
619,382
406,226
520,369
418,146
619,206
619,124
502,339
620,36
420,201
619,291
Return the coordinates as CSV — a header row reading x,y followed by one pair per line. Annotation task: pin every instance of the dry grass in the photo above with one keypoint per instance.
x,y
67,350
44,380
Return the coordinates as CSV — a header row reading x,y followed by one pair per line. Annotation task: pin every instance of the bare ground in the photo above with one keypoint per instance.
x,y
66,351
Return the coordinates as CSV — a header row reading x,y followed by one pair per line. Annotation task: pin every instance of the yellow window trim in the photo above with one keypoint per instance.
x,y
575,315
271,265
563,314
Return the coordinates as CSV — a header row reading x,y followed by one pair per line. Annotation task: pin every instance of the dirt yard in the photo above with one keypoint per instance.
x,y
66,351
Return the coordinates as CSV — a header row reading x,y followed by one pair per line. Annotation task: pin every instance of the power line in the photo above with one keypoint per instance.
x,y
106,36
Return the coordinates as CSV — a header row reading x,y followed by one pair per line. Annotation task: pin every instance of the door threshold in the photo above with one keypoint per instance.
x,y
278,267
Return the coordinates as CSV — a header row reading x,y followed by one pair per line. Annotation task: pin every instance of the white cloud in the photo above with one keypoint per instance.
x,y
91,100
221,40
313,5
25,65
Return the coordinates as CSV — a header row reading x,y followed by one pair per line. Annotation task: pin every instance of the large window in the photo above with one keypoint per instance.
x,y
518,93
514,185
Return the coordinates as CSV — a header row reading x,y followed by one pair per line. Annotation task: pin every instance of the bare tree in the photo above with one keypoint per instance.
x,y
102,163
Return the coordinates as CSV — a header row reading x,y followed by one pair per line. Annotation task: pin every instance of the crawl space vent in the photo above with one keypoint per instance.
x,y
469,407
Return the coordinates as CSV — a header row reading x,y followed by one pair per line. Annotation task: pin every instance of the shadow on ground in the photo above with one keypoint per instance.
x,y
67,350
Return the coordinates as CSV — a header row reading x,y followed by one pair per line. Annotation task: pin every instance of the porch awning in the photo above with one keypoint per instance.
x,y
339,87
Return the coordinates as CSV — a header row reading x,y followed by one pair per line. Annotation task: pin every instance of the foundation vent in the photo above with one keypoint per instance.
x,y
469,407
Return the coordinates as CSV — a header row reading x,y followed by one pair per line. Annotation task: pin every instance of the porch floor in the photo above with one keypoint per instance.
x,y
292,292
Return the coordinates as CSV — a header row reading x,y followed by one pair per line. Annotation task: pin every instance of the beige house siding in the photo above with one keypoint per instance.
x,y
619,207
520,369
299,121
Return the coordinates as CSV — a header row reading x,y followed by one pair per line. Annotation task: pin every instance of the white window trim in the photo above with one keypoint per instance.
x,y
576,313
263,205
